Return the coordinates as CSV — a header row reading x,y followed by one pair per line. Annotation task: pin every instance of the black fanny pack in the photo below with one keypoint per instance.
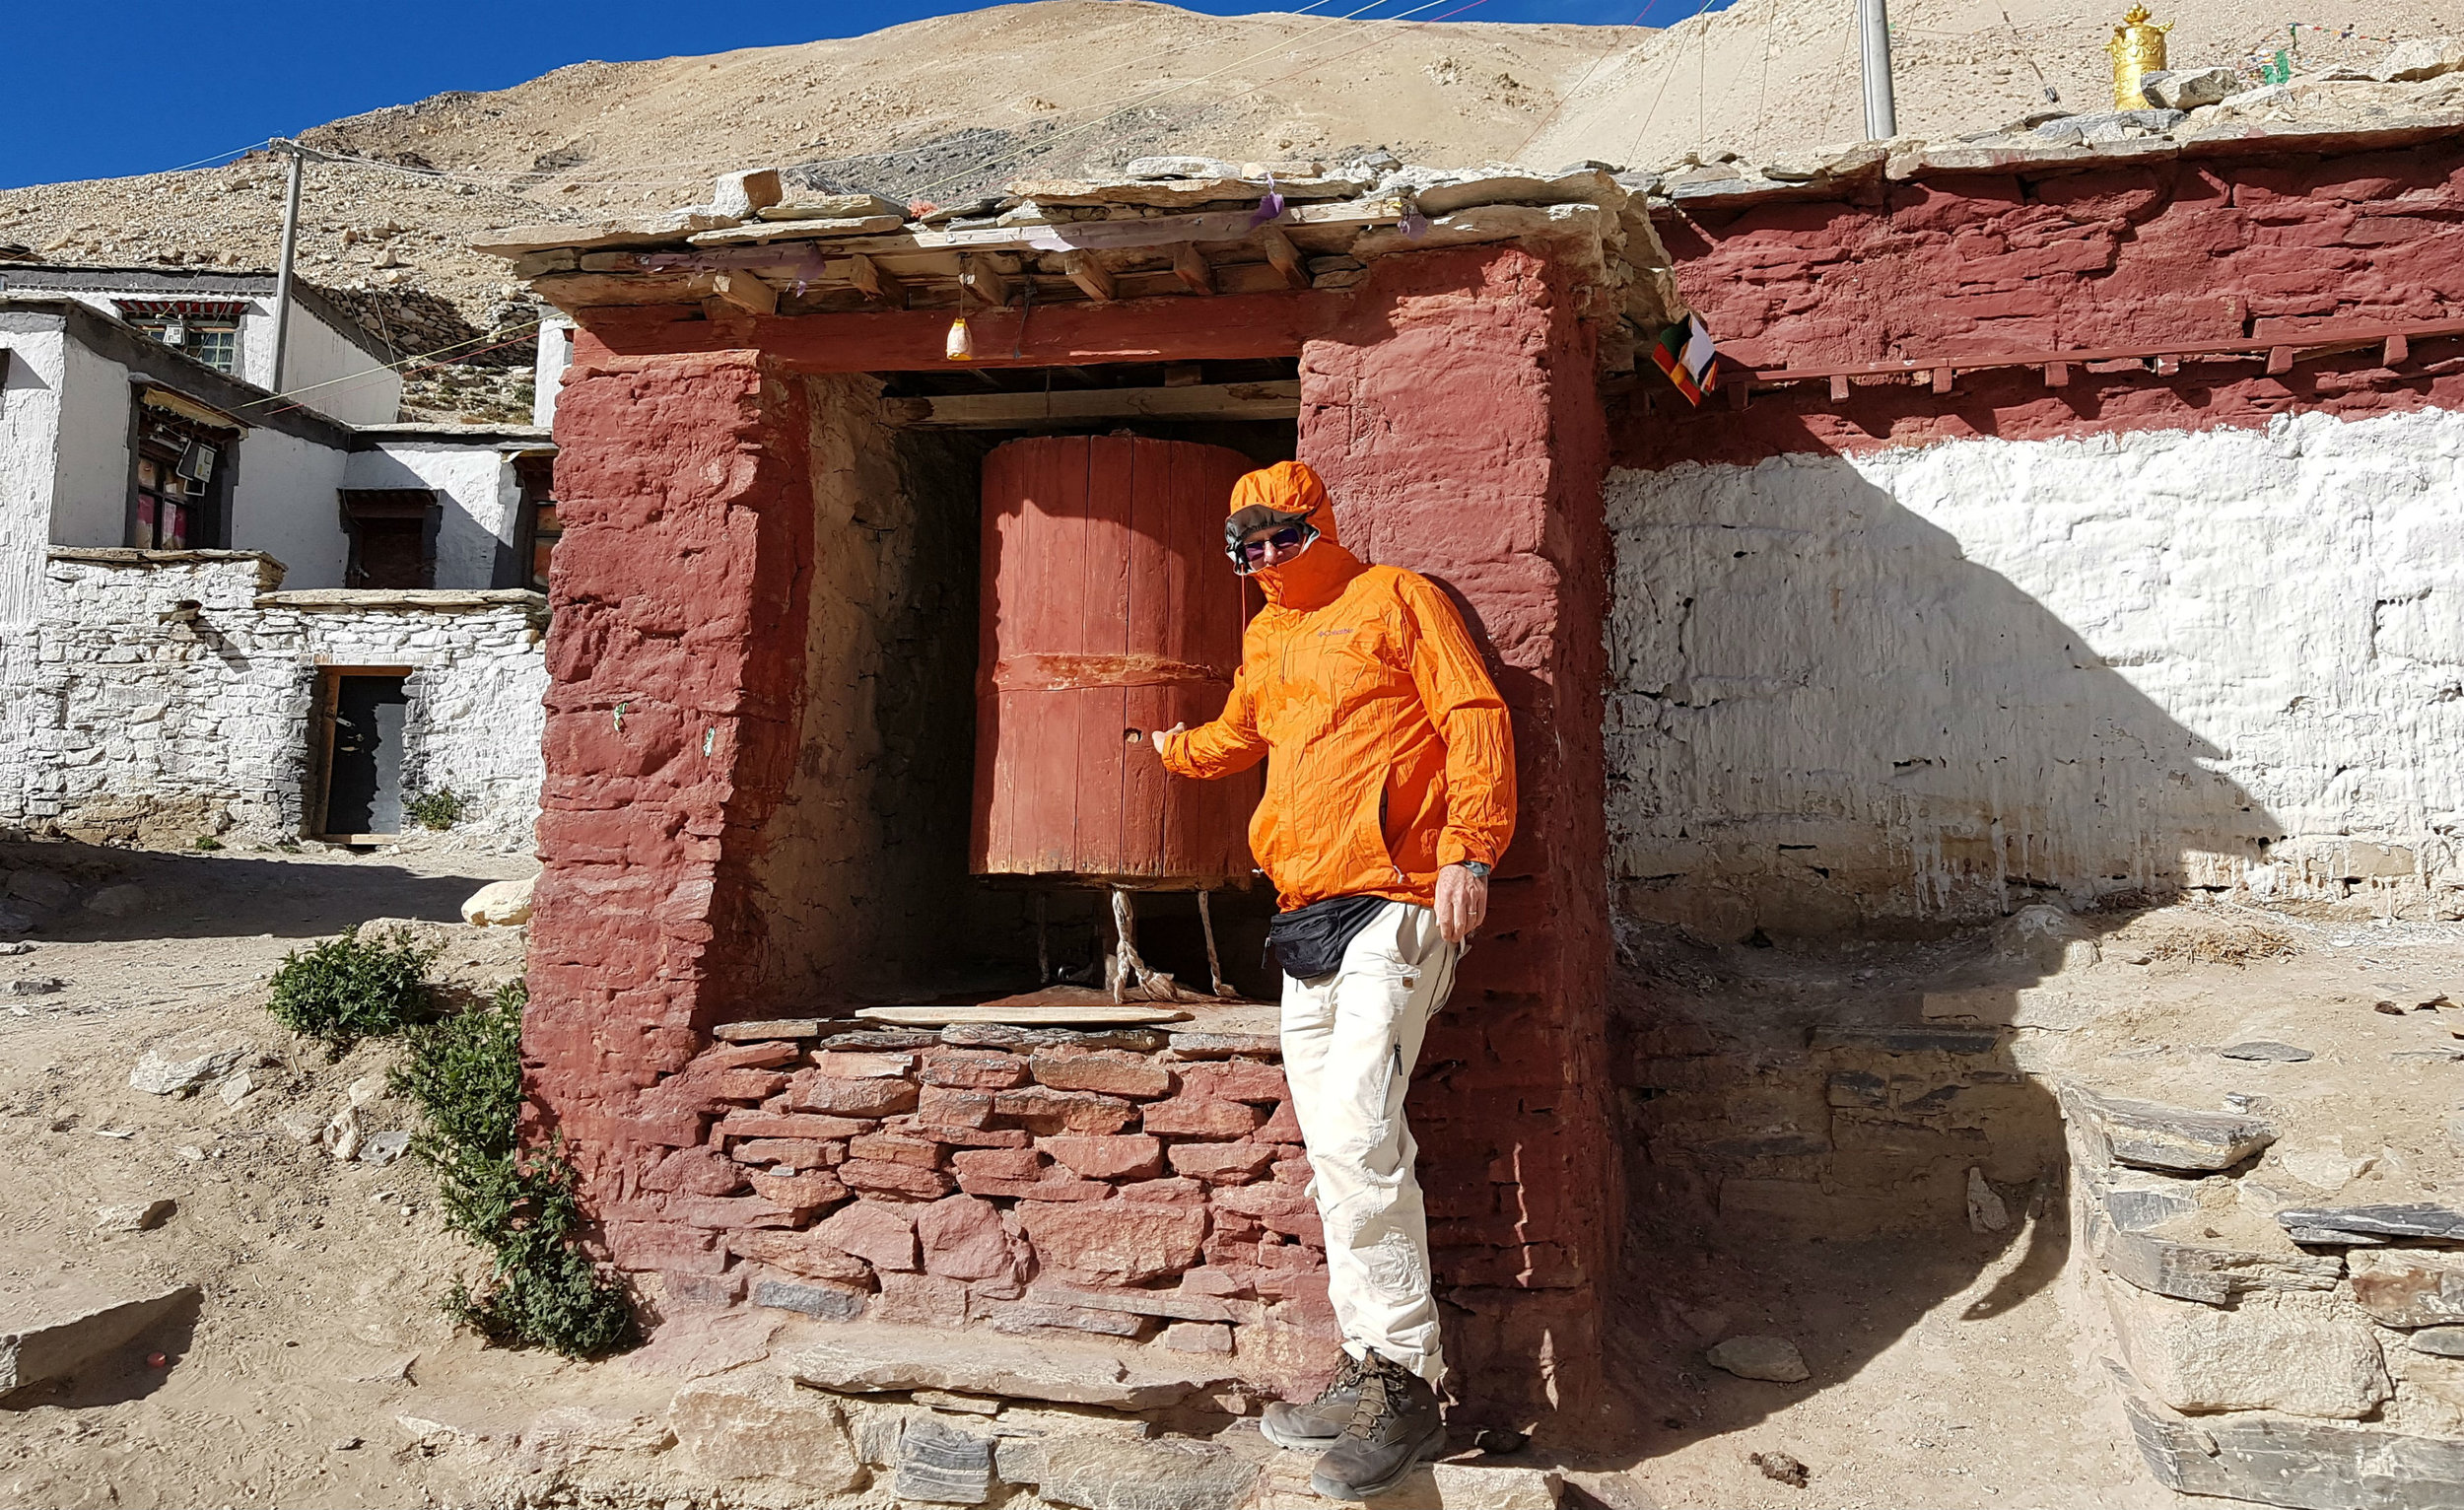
x,y
1309,941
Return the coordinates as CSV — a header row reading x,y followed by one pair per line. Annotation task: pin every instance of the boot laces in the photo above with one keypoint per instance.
x,y
1345,1377
1381,1396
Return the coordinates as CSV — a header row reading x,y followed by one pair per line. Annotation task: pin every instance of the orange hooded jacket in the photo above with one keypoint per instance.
x,y
1389,751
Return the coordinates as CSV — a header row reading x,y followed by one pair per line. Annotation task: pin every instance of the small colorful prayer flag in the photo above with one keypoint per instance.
x,y
1684,351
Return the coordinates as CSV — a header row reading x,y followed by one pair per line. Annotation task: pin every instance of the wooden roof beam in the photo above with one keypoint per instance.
x,y
1188,264
880,287
1284,256
1093,279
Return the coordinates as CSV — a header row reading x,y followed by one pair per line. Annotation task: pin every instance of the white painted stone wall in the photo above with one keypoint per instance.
x,y
1929,683
547,365
31,368
329,373
139,718
476,489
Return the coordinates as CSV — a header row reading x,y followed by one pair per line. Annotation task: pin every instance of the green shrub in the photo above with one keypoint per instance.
x,y
465,1073
208,842
442,809
347,988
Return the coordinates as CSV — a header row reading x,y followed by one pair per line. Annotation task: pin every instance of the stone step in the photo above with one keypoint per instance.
x,y
872,1357
51,1334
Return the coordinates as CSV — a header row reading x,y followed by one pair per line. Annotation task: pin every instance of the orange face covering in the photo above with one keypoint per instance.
x,y
1389,753
1319,573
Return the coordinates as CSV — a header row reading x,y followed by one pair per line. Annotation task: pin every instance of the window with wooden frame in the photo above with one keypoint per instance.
x,y
393,536
207,330
182,481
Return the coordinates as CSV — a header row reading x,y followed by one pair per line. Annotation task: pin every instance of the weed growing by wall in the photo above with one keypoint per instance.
x,y
347,988
466,1074
439,810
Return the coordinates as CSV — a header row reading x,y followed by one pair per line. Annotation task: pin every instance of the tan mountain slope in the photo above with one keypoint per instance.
x,y
944,108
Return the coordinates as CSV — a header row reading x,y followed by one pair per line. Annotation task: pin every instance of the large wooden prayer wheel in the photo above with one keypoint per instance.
x,y
1109,610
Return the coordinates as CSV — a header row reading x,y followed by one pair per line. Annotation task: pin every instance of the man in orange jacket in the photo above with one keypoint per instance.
x,y
1390,795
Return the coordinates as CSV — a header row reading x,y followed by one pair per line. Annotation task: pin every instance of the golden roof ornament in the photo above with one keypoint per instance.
x,y
2137,50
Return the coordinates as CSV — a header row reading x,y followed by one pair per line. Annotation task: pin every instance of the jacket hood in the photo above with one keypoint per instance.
x,y
1320,573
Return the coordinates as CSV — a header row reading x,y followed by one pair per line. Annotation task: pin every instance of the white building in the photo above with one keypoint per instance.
x,y
391,647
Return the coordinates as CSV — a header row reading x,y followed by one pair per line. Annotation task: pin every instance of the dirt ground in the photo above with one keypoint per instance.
x,y
1945,1372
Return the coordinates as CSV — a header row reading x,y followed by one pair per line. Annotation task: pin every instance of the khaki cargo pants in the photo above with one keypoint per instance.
x,y
1350,1042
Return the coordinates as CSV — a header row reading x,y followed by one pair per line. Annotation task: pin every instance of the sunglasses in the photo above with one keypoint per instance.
x,y
1283,539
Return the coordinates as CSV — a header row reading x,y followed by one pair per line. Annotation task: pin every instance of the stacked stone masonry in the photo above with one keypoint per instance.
x,y
1130,1184
171,695
2316,1370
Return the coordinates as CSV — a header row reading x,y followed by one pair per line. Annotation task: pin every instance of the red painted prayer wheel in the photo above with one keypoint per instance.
x,y
1109,610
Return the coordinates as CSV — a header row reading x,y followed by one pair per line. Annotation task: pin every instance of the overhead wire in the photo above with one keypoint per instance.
x,y
1581,84
1676,58
404,365
217,157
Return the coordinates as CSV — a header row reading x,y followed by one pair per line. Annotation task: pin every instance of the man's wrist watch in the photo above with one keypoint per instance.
x,y
1477,867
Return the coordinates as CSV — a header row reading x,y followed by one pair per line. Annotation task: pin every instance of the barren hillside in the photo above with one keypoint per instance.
x,y
942,108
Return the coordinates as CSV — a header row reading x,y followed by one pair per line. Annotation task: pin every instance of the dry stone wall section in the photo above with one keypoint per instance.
x,y
1134,1184
172,696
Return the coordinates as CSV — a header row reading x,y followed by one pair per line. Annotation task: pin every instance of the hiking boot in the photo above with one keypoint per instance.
x,y
1393,1428
1321,1421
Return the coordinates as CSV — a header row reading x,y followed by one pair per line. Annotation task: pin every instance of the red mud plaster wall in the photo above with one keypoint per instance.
x,y
1454,417
2136,256
689,515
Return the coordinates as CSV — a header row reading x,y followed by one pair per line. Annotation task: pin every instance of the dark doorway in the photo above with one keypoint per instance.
x,y
365,720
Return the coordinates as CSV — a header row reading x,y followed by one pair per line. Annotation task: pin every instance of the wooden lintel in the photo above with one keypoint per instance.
x,y
1093,279
745,292
1013,410
1188,264
1284,256
1228,327
880,287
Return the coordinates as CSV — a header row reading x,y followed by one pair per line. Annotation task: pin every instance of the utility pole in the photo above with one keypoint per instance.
x,y
1882,117
299,156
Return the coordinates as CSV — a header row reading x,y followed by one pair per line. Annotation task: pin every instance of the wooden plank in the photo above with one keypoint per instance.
x,y
1106,543
987,282
1103,1013
1208,822
878,286
1189,266
1052,765
1284,256
991,829
1276,400
1148,630
743,290
1224,328
1091,277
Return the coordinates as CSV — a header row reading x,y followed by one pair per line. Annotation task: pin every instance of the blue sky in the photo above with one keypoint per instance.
x,y
153,85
